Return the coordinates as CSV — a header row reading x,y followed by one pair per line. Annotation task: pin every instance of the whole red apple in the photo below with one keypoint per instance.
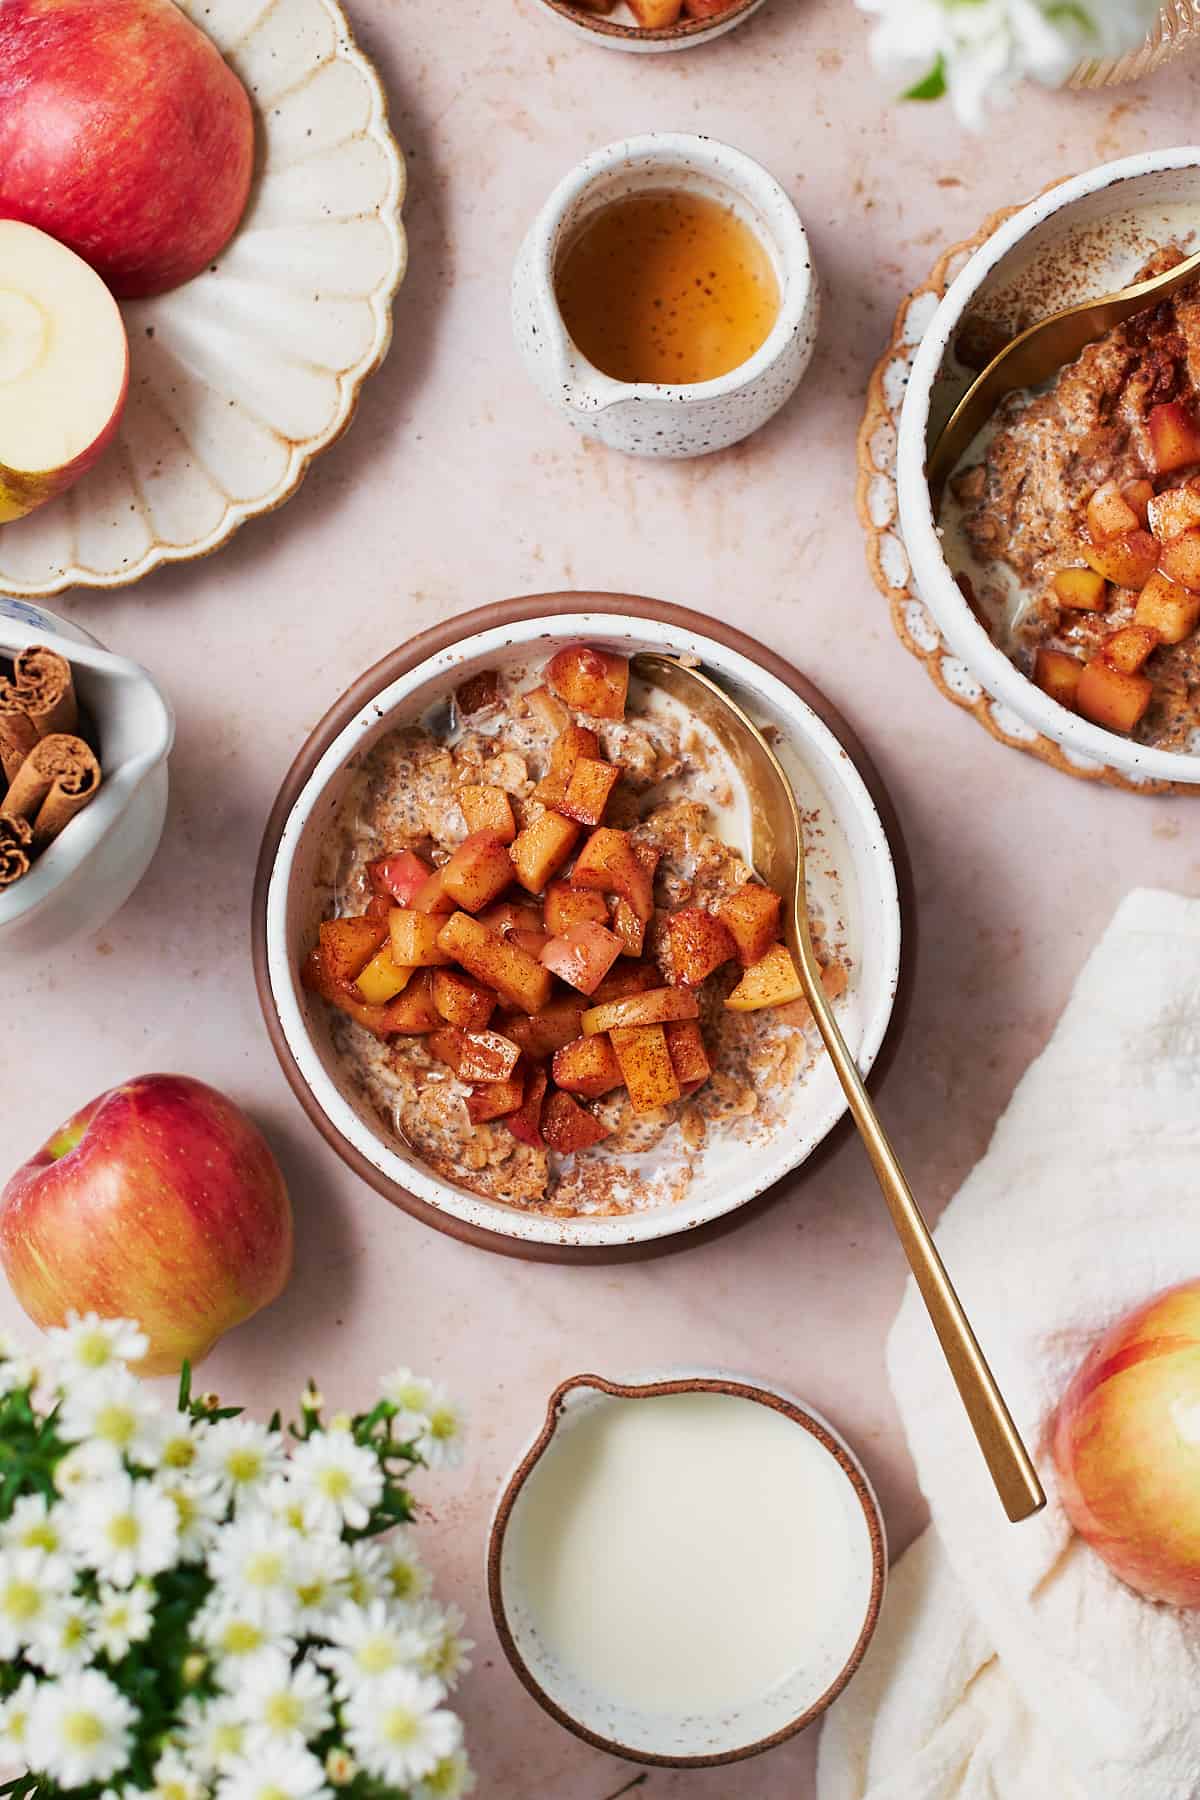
x,y
124,134
159,1202
1127,1446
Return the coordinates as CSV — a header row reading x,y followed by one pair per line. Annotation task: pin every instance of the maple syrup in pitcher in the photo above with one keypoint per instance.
x,y
666,286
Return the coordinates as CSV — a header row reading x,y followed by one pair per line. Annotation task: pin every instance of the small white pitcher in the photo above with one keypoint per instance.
x,y
648,418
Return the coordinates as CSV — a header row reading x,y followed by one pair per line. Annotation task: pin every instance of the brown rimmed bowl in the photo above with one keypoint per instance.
x,y
655,1736
834,779
617,34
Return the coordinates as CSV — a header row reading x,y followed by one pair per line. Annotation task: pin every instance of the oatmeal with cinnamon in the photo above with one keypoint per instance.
x,y
1082,524
552,976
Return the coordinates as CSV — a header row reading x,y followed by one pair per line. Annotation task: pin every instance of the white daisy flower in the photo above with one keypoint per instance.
x,y
439,1441
114,1408
176,1779
453,1779
241,1456
292,1507
398,1728
32,1587
33,1525
274,1773
85,1464
124,1617
123,1528
82,1728
200,1509
178,1444
212,1732
401,1573
86,1345
368,1643
234,1634
320,1567
253,1558
445,1652
412,1397
14,1722
63,1639
342,1478
17,1370
282,1704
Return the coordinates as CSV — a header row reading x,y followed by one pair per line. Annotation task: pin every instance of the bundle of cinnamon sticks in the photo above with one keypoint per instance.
x,y
48,772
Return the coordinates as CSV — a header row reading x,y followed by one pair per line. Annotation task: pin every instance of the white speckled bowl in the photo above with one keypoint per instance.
x,y
656,1736
656,418
1077,233
240,377
89,872
289,904
621,33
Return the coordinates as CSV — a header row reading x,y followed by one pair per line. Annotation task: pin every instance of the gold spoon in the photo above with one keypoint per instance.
x,y
777,853
1036,355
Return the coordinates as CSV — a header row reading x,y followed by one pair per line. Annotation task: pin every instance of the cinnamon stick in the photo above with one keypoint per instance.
x,y
46,690
18,733
16,836
58,778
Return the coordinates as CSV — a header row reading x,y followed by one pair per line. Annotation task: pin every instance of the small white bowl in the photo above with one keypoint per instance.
x,y
622,34
1087,210
655,1735
288,907
89,872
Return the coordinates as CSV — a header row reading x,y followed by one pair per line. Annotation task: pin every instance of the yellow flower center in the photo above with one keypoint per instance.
x,y
241,1637
180,1453
123,1533
312,1593
21,1601
41,1536
442,1424
93,1350
116,1424
226,1740
402,1579
82,1730
398,1726
244,1464
73,1632
376,1656
283,1711
265,1569
334,1483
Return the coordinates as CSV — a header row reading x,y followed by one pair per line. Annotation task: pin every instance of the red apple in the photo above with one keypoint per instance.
x,y
64,368
1127,1446
159,1202
123,134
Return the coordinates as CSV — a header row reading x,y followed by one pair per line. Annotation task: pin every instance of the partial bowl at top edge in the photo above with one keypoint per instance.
x,y
1150,181
616,34
286,909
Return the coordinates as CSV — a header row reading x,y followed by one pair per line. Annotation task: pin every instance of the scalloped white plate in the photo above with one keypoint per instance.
x,y
241,377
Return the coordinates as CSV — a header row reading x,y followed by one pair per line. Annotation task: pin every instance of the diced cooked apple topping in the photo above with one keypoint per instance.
x,y
1081,589
1109,697
1057,674
1128,559
1168,608
542,1002
1174,437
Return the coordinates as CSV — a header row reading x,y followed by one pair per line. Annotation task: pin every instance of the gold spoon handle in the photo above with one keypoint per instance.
x,y
1007,1459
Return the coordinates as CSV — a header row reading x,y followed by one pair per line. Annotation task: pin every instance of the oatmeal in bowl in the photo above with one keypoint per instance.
x,y
521,963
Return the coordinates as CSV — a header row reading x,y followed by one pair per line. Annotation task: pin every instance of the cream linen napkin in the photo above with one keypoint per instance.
x,y
1009,1664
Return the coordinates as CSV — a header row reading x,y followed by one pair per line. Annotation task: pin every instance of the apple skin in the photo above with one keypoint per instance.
x,y
1127,1447
159,1201
21,492
124,134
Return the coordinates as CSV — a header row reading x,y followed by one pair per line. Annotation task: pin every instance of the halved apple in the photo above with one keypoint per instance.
x,y
64,368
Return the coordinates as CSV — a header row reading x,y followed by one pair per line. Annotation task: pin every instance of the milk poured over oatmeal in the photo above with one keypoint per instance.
x,y
689,1553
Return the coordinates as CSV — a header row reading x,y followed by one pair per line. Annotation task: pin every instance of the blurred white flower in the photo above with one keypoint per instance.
x,y
212,1732
282,1704
440,1439
272,1773
17,1372
88,1343
285,1502
979,52
32,1586
113,1408
81,1729
234,1634
124,1617
453,1779
342,1479
397,1570
14,1721
176,1779
398,1728
123,1528
412,1396
241,1456
62,1642
200,1509
320,1566
178,1445
445,1652
368,1643
85,1464
33,1524
252,1559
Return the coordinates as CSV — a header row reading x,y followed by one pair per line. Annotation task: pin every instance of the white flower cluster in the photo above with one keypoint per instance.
x,y
294,1657
977,51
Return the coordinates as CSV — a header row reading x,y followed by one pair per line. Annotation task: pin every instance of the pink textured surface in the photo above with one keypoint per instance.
x,y
456,486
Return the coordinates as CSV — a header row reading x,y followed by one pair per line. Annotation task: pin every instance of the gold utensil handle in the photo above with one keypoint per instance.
x,y
1007,1459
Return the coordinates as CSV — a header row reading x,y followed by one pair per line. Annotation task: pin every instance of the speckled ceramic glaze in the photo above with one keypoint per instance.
x,y
240,377
622,33
657,1736
654,418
